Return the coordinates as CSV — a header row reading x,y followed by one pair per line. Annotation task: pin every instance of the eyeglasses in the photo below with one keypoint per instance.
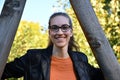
x,y
64,28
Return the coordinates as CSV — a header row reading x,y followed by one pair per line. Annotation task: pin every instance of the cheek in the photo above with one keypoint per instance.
x,y
70,34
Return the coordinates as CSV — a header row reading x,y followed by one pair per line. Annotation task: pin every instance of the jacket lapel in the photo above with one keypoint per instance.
x,y
79,66
45,63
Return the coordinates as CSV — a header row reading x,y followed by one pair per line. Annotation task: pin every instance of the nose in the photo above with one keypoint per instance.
x,y
60,31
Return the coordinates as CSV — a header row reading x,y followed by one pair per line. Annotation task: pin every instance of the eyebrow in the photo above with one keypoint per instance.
x,y
61,25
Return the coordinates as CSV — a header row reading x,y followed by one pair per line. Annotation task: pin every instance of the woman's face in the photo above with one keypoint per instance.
x,y
60,31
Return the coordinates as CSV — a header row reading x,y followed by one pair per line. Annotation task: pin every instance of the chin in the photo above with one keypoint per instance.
x,y
60,45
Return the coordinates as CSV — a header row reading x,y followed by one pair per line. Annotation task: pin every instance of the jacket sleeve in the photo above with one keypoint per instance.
x,y
94,73
16,68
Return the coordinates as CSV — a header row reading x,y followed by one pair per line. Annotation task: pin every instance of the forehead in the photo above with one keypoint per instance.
x,y
59,20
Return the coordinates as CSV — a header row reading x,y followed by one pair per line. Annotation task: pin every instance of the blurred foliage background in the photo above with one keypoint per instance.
x,y
33,35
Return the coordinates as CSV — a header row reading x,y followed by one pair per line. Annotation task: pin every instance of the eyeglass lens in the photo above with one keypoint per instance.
x,y
64,28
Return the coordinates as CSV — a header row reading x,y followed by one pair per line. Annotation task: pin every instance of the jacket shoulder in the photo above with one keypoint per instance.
x,y
81,56
33,56
35,50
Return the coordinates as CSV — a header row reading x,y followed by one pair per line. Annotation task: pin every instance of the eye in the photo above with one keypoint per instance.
x,y
65,27
54,27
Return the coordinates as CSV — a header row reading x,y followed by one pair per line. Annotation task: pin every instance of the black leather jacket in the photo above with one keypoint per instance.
x,y
35,65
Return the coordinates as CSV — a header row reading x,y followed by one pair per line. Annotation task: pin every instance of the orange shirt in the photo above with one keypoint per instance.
x,y
62,69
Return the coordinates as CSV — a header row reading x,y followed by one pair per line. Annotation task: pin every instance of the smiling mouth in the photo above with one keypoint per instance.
x,y
59,36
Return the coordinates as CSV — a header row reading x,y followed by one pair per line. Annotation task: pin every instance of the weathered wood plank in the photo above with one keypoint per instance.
x,y
96,39
9,21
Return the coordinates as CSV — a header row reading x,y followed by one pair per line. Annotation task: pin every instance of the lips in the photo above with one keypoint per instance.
x,y
59,37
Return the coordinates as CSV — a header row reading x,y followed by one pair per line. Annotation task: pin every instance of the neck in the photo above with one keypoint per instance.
x,y
60,52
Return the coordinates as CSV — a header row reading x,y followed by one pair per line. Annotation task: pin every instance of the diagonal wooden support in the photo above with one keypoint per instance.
x,y
96,39
9,21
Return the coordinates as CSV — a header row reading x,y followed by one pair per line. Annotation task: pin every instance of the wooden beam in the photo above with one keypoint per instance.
x,y
9,21
96,39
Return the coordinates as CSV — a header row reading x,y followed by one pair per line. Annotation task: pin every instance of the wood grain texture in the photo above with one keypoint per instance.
x,y
96,39
9,21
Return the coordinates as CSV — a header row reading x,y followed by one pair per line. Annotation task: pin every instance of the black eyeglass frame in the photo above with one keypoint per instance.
x,y
64,28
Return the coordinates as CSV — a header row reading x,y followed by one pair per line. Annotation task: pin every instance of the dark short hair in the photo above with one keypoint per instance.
x,y
72,43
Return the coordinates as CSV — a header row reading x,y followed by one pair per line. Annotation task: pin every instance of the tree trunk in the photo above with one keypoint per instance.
x,y
9,21
96,39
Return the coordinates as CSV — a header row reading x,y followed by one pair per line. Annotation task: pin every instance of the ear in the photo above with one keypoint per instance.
x,y
49,34
48,31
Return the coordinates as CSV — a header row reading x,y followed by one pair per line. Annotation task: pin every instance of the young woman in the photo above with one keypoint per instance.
x,y
58,61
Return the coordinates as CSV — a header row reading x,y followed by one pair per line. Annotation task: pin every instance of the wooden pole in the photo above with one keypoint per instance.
x,y
96,39
9,21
